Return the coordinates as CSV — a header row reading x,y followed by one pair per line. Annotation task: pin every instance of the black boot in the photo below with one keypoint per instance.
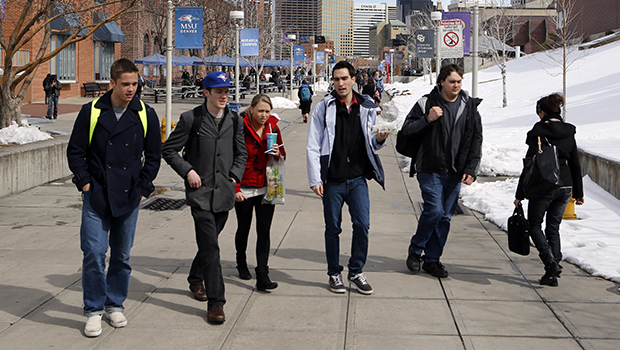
x,y
552,269
244,272
262,279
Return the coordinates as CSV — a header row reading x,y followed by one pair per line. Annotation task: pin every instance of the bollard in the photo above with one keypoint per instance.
x,y
162,128
569,212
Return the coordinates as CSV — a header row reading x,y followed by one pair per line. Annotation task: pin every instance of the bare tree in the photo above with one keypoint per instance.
x,y
421,21
34,18
499,29
565,40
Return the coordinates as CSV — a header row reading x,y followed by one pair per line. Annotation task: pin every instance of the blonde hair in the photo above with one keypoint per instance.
x,y
257,99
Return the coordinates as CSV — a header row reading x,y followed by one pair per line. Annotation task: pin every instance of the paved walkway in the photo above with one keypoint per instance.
x,y
490,301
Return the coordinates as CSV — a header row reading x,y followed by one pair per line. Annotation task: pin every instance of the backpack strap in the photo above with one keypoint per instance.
x,y
96,112
193,132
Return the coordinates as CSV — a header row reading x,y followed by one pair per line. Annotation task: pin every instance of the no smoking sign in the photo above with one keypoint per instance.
x,y
451,39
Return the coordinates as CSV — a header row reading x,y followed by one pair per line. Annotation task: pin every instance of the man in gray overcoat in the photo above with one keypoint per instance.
x,y
213,163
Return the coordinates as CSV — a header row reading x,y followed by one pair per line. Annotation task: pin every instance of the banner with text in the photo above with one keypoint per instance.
x,y
249,42
188,28
299,53
320,57
425,43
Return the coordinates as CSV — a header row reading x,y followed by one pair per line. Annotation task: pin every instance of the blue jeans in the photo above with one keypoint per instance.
x,y
354,192
440,193
554,205
101,291
52,103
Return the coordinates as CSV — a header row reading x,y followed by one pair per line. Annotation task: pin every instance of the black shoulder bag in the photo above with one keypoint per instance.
x,y
518,232
541,172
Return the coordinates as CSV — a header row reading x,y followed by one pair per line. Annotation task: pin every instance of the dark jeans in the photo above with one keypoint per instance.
x,y
440,193
554,205
264,216
355,193
52,103
206,265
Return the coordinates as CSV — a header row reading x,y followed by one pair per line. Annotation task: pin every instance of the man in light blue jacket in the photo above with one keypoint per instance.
x,y
341,156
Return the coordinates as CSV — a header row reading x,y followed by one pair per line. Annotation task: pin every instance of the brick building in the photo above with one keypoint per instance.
x,y
596,18
85,61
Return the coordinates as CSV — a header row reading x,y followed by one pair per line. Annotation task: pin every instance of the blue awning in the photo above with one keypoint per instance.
x,y
109,31
63,23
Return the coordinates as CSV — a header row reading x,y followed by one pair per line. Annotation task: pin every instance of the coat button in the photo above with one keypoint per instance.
x,y
126,144
125,167
109,166
125,190
109,143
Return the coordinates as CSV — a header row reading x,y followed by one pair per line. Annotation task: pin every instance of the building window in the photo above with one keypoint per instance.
x,y
104,57
63,64
145,49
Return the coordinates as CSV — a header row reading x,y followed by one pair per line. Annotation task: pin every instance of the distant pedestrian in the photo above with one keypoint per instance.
x,y
448,127
552,129
140,86
212,136
249,193
341,154
52,103
114,162
47,87
305,99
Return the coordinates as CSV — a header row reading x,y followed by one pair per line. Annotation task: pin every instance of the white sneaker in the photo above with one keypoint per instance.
x,y
93,326
117,319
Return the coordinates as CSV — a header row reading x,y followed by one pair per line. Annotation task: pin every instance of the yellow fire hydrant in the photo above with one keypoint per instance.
x,y
163,128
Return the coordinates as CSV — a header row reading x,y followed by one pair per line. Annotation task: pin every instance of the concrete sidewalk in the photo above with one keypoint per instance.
x,y
490,301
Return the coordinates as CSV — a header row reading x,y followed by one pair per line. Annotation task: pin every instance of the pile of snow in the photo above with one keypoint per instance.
x,y
320,86
22,134
593,241
283,103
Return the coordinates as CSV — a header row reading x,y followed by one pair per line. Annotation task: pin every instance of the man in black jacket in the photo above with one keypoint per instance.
x,y
214,164
114,153
449,128
54,88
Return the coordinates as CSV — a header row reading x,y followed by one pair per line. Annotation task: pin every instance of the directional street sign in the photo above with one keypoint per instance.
x,y
451,35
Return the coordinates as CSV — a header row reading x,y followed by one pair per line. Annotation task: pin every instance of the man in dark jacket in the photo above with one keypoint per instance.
x,y
215,163
449,129
114,153
47,87
52,99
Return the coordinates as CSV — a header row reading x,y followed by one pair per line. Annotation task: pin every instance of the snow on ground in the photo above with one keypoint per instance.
x,y
593,241
22,135
283,103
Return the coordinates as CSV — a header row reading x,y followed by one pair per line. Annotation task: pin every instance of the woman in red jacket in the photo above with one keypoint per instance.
x,y
249,193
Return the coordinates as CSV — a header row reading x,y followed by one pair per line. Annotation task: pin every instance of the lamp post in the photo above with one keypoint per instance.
x,y
169,69
292,38
436,18
314,47
326,60
392,66
237,17
474,52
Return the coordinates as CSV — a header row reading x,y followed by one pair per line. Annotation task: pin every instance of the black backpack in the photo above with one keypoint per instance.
x,y
194,130
409,146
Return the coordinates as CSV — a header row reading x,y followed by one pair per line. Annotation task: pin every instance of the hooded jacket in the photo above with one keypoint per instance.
x,y
561,135
466,141
322,132
254,174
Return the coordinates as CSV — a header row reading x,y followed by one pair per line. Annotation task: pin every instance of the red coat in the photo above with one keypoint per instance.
x,y
254,175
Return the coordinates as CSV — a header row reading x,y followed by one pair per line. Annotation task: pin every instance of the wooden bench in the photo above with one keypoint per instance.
x,y
93,88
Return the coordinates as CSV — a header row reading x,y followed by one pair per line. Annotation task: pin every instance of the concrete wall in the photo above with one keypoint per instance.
x,y
606,173
26,166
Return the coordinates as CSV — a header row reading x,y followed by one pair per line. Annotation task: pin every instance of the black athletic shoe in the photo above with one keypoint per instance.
x,y
435,268
414,262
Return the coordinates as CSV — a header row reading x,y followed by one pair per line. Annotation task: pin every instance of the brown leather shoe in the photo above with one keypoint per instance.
x,y
199,291
216,314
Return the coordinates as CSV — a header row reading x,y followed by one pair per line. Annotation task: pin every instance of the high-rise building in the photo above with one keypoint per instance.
x,y
391,11
405,8
297,16
335,21
364,17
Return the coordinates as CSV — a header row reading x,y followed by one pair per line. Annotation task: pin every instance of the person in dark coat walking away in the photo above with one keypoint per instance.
x,y
114,153
47,87
449,129
213,165
305,99
553,129
52,101
249,194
